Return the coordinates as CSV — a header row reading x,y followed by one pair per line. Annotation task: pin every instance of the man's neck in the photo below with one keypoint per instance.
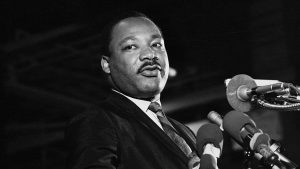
x,y
142,104
150,99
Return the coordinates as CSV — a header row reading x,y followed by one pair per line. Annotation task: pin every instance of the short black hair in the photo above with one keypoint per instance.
x,y
107,30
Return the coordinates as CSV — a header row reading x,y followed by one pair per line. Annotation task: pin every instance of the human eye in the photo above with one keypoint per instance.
x,y
129,47
157,45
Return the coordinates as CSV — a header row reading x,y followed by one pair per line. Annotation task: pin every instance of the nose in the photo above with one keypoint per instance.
x,y
147,53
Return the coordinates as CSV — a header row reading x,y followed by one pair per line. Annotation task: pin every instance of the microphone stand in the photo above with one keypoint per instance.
x,y
277,148
271,163
283,163
249,156
248,163
285,99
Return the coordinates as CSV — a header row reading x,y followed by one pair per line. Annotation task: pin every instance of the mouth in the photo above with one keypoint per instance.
x,y
150,70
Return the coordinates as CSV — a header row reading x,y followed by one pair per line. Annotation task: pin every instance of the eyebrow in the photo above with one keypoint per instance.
x,y
157,36
154,36
126,39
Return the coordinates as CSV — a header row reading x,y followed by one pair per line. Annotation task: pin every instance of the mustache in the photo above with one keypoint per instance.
x,y
150,64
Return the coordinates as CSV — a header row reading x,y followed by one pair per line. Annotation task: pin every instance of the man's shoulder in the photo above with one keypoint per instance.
x,y
115,109
91,115
104,111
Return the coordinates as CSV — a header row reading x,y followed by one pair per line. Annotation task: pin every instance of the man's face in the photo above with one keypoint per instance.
x,y
138,64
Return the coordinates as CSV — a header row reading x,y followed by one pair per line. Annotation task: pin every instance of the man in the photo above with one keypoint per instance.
x,y
123,132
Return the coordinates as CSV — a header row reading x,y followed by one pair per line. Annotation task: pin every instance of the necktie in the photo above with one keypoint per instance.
x,y
172,133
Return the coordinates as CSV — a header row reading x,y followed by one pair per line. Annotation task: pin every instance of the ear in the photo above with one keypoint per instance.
x,y
105,64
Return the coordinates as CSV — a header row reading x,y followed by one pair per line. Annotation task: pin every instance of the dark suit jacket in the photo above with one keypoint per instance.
x,y
118,134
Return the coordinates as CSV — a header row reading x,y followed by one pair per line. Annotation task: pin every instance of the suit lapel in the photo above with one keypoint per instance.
x,y
187,134
129,109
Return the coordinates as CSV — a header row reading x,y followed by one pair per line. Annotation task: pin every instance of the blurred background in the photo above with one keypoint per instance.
x,y
50,67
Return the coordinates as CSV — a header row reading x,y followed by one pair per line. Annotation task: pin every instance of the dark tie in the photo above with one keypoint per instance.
x,y
172,133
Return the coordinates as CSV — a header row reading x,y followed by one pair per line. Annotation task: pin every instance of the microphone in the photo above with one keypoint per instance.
x,y
240,126
241,88
243,129
237,124
216,118
259,82
209,145
209,134
208,162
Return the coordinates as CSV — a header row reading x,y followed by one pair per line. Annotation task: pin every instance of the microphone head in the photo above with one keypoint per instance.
x,y
234,121
207,161
259,139
215,118
209,133
232,92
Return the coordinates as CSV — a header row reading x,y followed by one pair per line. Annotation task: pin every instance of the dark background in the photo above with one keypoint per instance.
x,y
51,72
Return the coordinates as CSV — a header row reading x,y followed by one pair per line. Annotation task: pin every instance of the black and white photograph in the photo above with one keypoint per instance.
x,y
140,84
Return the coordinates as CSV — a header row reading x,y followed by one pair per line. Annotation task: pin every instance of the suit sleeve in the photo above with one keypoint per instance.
x,y
92,142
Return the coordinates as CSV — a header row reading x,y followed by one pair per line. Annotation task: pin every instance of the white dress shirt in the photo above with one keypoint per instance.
x,y
144,105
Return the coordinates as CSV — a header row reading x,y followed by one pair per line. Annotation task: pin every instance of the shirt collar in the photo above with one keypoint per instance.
x,y
142,104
